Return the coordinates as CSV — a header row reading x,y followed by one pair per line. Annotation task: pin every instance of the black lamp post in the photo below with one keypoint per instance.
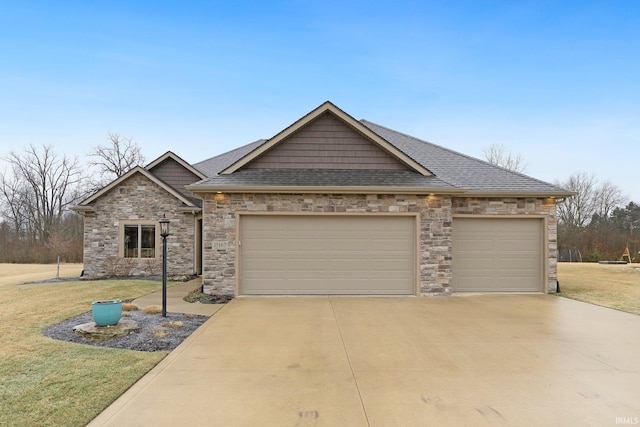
x,y
164,232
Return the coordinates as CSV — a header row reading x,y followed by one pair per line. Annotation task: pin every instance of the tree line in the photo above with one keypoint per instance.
x,y
37,188
595,224
598,222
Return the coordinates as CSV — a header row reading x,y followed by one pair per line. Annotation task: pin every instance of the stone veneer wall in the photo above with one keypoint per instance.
x,y
137,198
435,216
519,206
219,224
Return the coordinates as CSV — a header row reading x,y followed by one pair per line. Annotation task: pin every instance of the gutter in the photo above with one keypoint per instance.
x,y
559,195
190,209
82,209
200,189
288,189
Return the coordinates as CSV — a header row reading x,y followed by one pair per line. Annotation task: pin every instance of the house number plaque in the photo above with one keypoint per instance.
x,y
220,245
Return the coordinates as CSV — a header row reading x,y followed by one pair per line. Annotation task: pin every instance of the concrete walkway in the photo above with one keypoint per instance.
x,y
500,360
175,299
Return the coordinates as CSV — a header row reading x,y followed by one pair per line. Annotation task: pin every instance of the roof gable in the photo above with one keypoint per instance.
x,y
128,175
327,143
174,171
170,157
326,127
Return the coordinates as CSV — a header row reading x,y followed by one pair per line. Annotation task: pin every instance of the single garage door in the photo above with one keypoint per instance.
x,y
327,254
499,255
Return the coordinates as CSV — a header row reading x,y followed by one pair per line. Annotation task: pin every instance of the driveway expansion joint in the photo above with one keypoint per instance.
x,y
353,374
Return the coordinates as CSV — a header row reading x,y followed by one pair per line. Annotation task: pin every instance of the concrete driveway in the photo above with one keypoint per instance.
x,y
349,361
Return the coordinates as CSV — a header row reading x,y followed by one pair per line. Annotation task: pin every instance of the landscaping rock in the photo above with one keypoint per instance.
x,y
91,330
154,333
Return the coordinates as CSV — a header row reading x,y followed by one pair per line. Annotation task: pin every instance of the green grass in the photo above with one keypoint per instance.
x,y
45,382
613,286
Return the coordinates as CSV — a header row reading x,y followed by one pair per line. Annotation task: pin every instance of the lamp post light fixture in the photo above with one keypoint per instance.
x,y
164,232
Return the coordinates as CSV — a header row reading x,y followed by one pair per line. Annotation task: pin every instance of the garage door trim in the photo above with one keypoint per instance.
x,y
415,230
544,221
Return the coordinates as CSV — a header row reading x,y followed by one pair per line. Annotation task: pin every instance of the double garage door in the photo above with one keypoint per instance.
x,y
376,255
327,254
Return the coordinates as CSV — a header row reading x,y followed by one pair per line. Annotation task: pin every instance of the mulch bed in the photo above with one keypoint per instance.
x,y
155,334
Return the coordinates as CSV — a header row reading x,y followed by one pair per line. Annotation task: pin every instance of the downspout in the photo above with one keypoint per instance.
x,y
195,243
199,252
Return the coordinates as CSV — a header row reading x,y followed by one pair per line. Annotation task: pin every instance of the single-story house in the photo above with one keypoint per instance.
x,y
330,205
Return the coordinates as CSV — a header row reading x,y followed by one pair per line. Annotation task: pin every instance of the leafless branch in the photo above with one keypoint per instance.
x,y
497,155
118,157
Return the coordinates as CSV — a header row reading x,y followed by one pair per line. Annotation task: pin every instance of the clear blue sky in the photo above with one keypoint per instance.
x,y
557,82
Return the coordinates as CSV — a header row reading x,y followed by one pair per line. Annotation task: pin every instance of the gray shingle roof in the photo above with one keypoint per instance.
x,y
214,165
460,170
326,178
452,171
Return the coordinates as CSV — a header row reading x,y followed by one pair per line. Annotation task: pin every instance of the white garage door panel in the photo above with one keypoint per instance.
x,y
327,255
498,255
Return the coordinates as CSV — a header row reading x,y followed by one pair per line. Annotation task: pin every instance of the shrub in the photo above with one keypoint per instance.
x,y
151,266
594,256
152,309
160,333
126,266
112,265
174,324
127,306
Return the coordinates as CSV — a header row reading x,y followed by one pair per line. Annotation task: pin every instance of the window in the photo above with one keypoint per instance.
x,y
139,241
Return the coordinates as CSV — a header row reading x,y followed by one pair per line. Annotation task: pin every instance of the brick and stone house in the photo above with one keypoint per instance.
x,y
330,205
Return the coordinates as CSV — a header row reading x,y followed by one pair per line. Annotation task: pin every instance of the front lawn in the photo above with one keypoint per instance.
x,y
613,286
13,274
44,382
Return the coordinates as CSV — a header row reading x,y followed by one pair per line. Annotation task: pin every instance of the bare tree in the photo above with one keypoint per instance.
x,y
608,196
40,188
497,155
118,157
15,202
592,199
576,211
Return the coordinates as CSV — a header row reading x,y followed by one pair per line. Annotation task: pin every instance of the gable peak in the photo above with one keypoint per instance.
x,y
392,155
